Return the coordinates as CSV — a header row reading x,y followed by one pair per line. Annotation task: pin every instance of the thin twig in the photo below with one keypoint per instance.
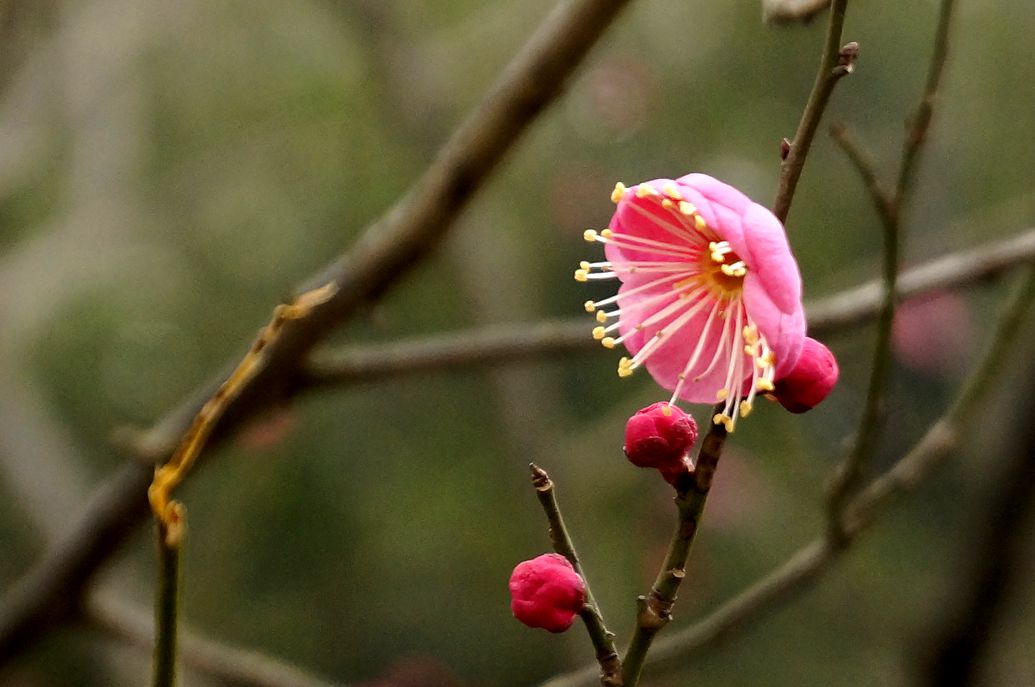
x,y
850,473
51,590
837,61
170,544
916,134
515,343
228,664
592,616
810,562
883,201
655,609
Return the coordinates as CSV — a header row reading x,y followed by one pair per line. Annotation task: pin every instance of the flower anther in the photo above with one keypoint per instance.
x,y
710,295
546,592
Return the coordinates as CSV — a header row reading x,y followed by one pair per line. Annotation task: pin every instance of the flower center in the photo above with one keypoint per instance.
x,y
723,269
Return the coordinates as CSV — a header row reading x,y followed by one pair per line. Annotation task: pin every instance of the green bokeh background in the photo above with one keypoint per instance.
x,y
168,172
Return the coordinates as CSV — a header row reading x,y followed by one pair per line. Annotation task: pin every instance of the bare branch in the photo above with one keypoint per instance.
x,y
836,62
849,474
504,344
863,163
51,590
592,616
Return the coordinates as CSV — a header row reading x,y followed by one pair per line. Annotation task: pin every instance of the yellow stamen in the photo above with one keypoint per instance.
x,y
598,333
590,235
724,420
619,191
581,275
686,208
608,342
589,306
601,316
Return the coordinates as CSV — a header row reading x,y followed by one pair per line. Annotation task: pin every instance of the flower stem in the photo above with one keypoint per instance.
x,y
602,639
170,543
655,609
835,63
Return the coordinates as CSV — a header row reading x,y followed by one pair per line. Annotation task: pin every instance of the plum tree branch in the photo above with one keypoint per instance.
x,y
510,343
52,589
849,474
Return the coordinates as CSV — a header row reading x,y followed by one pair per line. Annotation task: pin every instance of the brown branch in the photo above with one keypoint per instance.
x,y
849,475
592,616
232,665
882,199
52,588
503,344
837,61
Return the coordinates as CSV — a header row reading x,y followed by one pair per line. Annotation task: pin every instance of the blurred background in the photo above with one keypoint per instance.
x,y
170,171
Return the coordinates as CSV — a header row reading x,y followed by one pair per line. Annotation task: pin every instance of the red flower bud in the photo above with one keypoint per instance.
x,y
660,436
546,592
812,378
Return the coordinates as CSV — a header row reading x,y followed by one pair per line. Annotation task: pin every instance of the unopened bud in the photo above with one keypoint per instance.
x,y
812,378
660,436
546,592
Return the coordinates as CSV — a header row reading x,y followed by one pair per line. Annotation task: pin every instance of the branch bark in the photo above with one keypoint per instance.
x,y
506,344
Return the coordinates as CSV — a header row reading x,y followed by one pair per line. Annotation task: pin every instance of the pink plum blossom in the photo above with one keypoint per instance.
x,y
710,296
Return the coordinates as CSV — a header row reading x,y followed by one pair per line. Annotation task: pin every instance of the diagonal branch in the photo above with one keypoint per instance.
x,y
52,589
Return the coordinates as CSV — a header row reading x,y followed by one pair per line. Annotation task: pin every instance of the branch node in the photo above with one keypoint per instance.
x,y
846,58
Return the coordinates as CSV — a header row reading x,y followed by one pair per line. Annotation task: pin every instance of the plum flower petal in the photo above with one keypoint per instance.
x,y
710,295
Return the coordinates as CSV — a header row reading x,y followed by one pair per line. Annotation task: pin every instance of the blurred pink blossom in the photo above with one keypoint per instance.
x,y
710,296
933,333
